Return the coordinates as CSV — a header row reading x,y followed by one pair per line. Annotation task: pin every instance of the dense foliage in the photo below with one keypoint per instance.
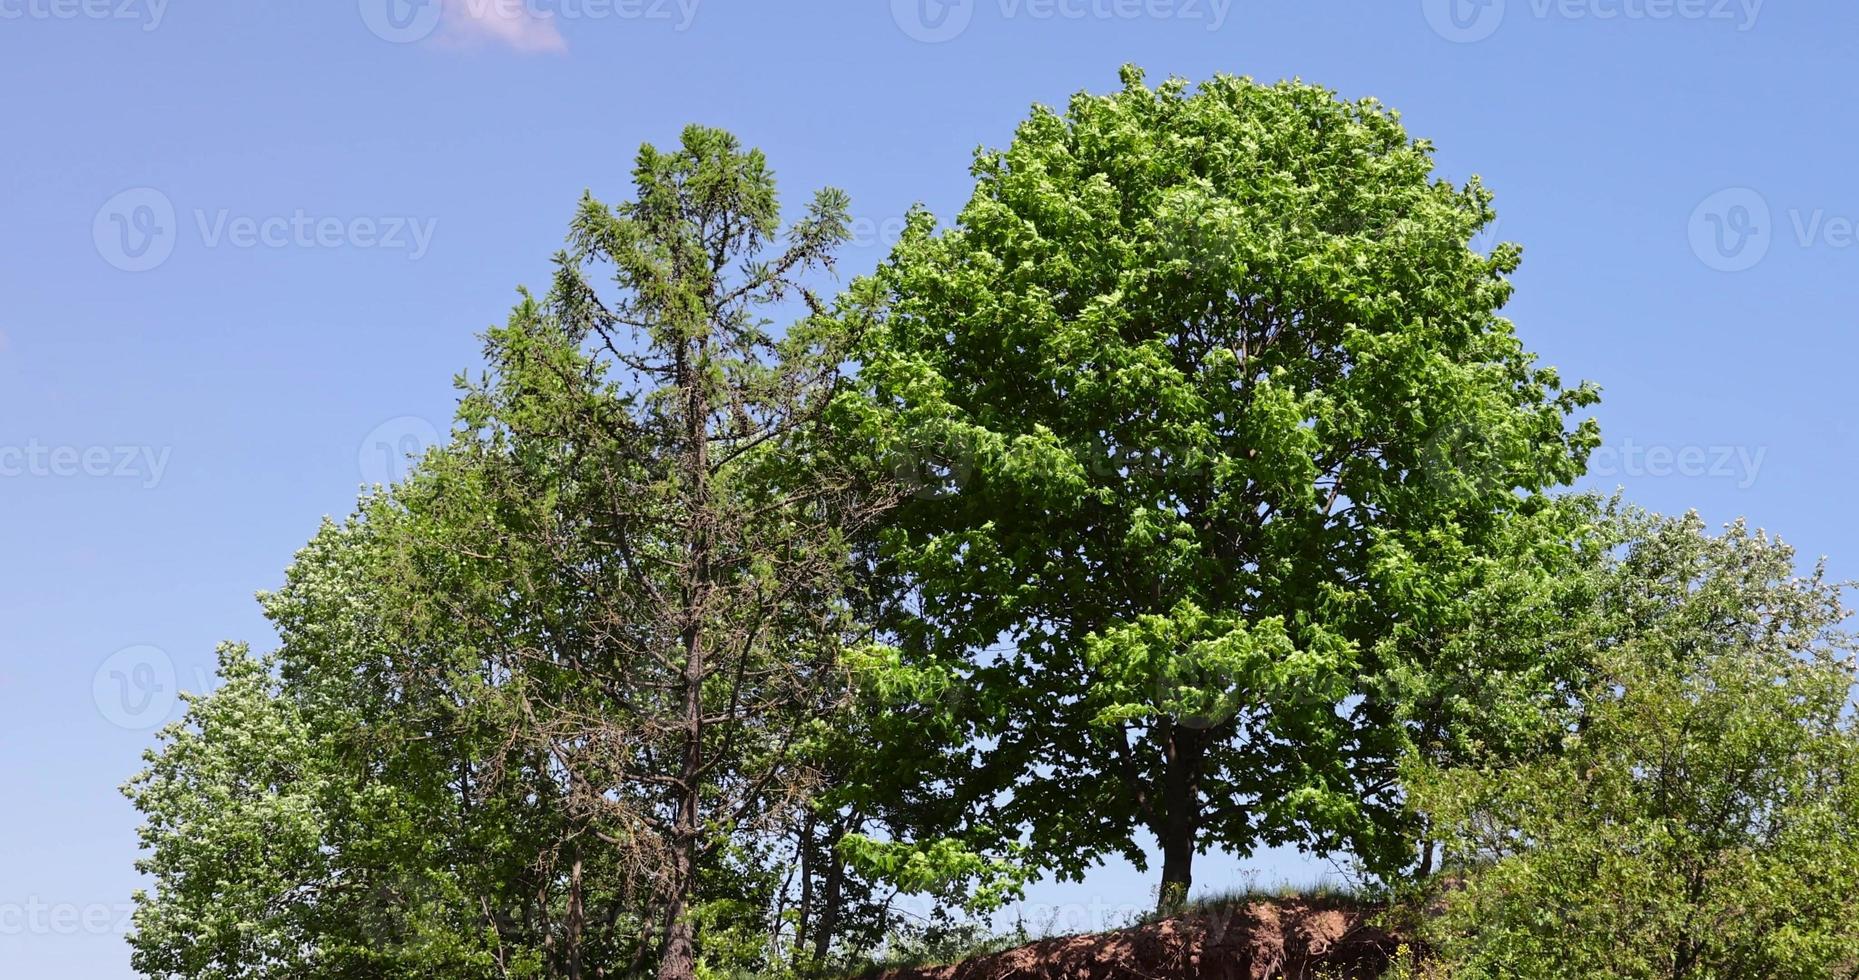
x,y
1189,488
552,706
1214,394
1702,817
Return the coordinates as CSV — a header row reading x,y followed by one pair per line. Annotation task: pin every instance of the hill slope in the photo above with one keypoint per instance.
x,y
1292,939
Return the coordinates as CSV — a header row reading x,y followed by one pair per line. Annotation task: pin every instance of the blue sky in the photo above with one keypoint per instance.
x,y
243,246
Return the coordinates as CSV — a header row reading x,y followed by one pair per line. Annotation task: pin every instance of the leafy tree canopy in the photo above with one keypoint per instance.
x,y
1202,393
1701,818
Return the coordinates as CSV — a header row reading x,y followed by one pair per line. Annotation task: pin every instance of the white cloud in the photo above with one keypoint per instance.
x,y
507,22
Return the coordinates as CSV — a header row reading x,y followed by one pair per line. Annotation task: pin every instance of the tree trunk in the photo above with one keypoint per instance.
x,y
1177,872
830,902
1180,817
803,922
577,916
679,961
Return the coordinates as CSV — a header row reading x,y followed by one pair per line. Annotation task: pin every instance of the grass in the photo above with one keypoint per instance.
x,y
1327,891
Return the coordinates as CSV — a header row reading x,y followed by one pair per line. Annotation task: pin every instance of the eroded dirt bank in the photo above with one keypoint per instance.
x,y
1261,941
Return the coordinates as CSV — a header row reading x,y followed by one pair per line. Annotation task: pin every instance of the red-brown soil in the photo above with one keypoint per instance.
x,y
1262,941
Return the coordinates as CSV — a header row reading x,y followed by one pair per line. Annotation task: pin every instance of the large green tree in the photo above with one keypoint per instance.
x,y
693,553
552,705
1700,817
1204,390
354,805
